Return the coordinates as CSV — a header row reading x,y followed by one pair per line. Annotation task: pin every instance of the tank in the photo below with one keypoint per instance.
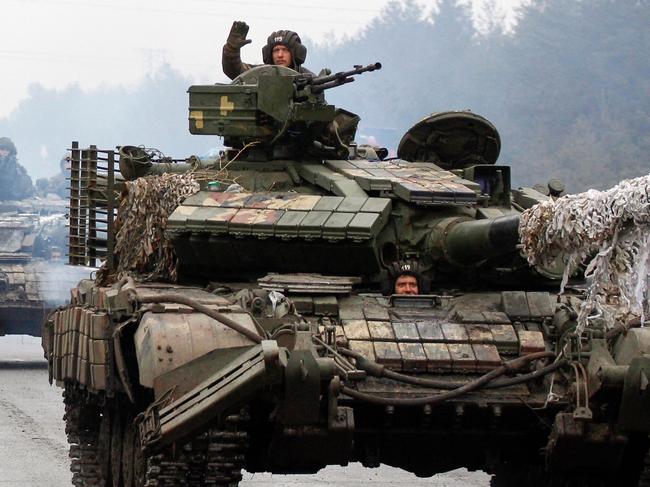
x,y
32,245
244,316
33,278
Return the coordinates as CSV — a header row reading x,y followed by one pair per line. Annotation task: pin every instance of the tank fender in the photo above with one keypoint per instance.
x,y
169,340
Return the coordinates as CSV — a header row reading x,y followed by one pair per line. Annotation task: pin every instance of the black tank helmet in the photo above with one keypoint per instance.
x,y
285,38
407,268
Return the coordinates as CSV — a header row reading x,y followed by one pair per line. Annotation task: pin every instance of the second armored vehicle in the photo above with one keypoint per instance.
x,y
33,276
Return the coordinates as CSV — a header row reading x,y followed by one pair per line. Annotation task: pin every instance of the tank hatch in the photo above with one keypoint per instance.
x,y
452,140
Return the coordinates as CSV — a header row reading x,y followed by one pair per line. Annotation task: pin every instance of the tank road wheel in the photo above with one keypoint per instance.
x,y
87,431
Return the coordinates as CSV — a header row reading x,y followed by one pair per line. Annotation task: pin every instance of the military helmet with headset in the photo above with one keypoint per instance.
x,y
409,267
285,38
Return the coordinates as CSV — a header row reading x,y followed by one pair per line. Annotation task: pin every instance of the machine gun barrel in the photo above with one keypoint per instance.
x,y
322,83
321,80
330,84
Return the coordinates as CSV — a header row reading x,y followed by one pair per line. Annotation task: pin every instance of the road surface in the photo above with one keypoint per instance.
x,y
34,450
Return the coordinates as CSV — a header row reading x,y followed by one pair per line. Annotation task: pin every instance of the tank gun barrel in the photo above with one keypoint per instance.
x,y
319,84
466,242
136,162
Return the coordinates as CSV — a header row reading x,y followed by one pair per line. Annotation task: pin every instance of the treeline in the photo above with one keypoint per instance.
x,y
569,91
153,113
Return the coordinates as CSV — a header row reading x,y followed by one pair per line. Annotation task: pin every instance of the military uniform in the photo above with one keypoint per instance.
x,y
231,62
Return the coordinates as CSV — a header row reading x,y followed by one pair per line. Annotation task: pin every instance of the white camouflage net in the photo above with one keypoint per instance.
x,y
141,246
609,233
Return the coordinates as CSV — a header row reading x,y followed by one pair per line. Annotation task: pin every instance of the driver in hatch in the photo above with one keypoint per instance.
x,y
406,278
283,48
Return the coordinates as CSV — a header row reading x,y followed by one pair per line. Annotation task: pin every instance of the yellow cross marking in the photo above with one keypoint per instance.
x,y
197,116
226,106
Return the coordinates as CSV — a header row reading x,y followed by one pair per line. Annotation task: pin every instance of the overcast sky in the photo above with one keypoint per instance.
x,y
93,42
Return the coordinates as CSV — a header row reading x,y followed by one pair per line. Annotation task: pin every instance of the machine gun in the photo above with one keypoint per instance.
x,y
319,84
265,102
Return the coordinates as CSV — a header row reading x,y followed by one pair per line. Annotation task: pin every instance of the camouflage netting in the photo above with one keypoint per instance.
x,y
606,231
143,250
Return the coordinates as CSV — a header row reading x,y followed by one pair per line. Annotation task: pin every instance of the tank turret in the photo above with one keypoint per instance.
x,y
445,202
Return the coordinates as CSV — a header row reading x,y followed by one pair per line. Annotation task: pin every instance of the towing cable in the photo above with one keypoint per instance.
x,y
457,389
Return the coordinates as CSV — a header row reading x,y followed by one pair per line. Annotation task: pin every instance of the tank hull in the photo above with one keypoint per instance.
x,y
190,380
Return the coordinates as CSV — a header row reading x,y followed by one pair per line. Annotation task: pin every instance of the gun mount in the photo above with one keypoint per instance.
x,y
275,106
324,82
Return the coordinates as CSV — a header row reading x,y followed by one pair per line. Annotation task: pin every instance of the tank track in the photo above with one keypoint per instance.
x,y
214,458
83,431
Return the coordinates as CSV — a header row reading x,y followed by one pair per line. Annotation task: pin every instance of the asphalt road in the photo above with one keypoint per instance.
x,y
34,450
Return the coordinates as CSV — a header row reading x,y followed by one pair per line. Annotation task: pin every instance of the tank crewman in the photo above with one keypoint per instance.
x,y
283,48
406,278
15,183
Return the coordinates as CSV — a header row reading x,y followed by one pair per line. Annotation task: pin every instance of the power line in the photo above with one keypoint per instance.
x,y
92,60
301,6
219,15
